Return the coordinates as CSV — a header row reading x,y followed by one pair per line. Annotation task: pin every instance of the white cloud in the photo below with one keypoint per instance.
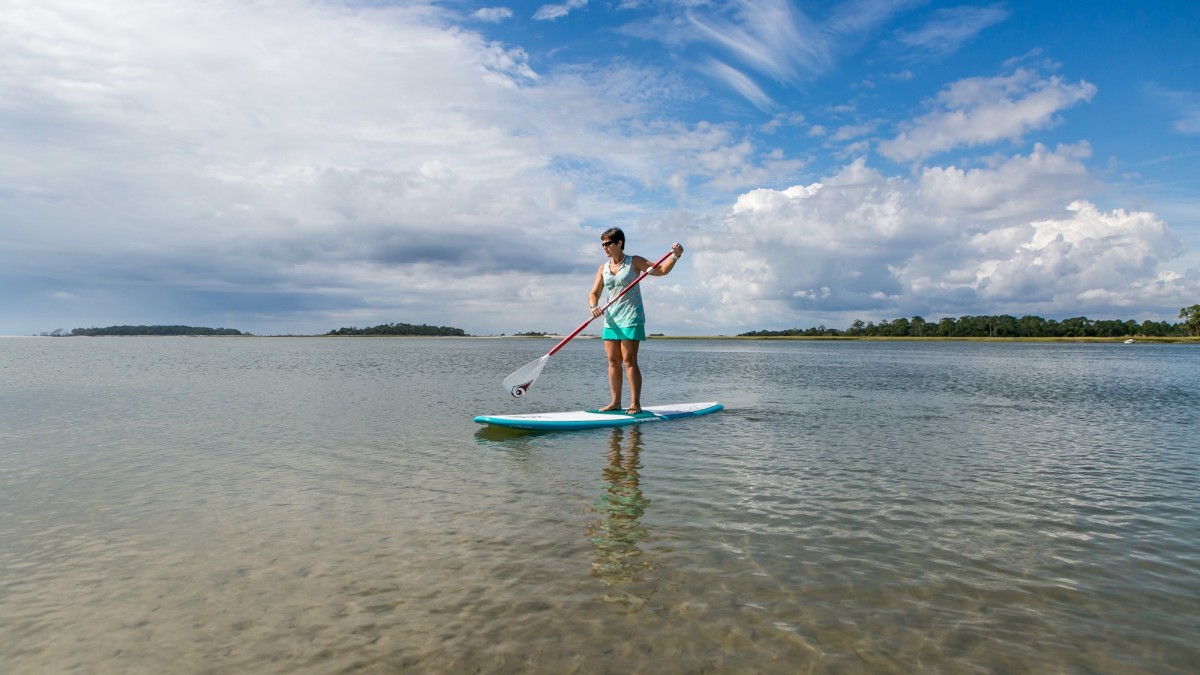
x,y
766,39
738,81
859,244
950,28
553,12
492,14
321,160
1085,261
1022,187
769,36
851,131
781,120
738,41
289,166
979,111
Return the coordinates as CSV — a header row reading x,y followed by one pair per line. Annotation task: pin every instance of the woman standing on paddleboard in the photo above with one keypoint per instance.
x,y
625,320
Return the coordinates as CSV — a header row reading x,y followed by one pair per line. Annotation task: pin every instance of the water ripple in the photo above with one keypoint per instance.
x,y
327,505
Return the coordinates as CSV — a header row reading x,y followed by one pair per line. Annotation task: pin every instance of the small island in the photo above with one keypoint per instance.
x,y
392,329
190,331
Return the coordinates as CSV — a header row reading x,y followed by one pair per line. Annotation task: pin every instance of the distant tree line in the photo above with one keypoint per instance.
x,y
401,329
152,330
1002,326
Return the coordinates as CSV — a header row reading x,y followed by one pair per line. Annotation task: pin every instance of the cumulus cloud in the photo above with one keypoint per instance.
x,y
1085,259
207,134
859,244
298,166
983,110
317,161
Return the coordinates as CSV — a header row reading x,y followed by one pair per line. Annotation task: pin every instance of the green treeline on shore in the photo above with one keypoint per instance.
x,y
151,330
401,329
1003,326
383,329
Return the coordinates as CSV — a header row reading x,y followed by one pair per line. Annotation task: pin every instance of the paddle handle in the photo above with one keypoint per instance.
x,y
625,290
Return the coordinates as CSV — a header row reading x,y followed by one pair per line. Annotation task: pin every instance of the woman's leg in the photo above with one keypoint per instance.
x,y
634,374
613,351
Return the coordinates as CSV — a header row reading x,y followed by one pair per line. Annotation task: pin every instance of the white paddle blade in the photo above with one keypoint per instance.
x,y
519,382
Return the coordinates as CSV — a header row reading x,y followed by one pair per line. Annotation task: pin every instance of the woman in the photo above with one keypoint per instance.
x,y
625,319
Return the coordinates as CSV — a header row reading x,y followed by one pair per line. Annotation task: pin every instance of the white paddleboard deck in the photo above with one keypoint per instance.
x,y
592,419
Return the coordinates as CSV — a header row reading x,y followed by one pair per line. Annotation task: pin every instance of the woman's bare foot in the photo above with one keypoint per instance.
x,y
610,407
633,411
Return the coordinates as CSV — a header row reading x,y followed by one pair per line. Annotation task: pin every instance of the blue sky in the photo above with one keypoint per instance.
x,y
298,166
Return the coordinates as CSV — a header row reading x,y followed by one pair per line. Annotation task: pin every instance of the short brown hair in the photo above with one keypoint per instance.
x,y
613,234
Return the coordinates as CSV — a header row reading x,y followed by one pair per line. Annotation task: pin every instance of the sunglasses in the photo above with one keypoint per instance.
x,y
606,244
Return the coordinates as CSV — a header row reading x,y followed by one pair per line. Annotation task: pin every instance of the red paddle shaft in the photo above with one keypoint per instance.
x,y
625,290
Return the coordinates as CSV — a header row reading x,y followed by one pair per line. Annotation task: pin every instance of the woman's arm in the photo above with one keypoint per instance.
x,y
641,264
597,287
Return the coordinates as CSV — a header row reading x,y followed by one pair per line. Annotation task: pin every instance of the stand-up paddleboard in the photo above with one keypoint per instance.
x,y
593,419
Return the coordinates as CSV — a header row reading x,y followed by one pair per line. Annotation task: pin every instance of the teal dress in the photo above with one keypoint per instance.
x,y
625,319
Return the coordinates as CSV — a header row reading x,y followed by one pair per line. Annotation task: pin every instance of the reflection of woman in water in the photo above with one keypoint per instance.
x,y
621,506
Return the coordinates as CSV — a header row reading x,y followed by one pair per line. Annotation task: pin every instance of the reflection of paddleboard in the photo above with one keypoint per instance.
x,y
591,419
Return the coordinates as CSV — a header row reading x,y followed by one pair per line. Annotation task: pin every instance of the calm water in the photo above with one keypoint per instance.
x,y
325,505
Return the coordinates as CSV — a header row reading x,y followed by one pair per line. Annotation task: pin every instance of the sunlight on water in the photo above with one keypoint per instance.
x,y
275,505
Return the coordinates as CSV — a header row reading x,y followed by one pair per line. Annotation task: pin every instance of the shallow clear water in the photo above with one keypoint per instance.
x,y
325,505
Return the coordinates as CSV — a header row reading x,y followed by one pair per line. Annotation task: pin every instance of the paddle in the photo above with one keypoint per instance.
x,y
519,382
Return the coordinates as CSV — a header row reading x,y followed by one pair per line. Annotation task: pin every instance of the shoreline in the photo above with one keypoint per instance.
x,y
869,338
814,338
740,338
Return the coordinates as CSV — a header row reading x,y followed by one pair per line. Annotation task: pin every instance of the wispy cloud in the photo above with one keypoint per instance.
x,y
553,12
738,81
1183,106
856,18
978,111
950,28
766,40
771,37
